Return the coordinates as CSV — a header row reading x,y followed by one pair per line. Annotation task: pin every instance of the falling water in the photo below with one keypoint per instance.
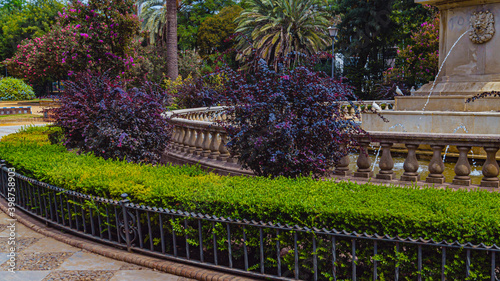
x,y
376,158
440,68
380,147
454,131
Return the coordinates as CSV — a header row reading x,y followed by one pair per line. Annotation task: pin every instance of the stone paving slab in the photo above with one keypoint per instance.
x,y
37,261
25,276
21,243
88,261
48,245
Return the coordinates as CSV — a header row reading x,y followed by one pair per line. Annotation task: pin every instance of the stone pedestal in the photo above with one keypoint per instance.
x,y
472,67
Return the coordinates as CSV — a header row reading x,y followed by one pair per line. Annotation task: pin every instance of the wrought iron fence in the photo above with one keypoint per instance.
x,y
257,249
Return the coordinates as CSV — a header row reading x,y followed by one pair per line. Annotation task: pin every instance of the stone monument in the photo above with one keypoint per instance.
x,y
469,57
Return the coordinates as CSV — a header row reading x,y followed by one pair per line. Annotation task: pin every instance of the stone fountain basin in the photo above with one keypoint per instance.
x,y
438,122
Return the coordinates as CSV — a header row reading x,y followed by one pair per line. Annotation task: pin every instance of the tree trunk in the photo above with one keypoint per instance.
x,y
172,65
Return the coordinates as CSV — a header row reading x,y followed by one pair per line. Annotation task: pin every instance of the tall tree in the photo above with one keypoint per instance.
x,y
154,17
172,60
214,31
369,33
191,14
279,27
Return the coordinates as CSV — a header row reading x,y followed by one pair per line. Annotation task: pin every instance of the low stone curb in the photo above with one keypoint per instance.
x,y
174,268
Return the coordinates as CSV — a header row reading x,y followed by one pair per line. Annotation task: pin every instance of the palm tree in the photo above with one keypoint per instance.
x,y
279,27
172,63
160,20
153,15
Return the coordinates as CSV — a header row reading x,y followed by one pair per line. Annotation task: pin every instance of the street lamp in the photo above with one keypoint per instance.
x,y
333,30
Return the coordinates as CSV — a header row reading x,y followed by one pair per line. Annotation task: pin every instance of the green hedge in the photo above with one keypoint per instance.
x,y
12,89
431,213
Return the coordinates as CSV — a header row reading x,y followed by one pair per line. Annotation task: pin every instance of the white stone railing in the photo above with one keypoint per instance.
x,y
199,138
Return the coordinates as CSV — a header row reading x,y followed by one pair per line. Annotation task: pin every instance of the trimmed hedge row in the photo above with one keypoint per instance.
x,y
430,213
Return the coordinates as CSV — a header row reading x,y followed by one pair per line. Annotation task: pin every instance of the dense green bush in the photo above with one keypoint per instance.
x,y
430,213
15,89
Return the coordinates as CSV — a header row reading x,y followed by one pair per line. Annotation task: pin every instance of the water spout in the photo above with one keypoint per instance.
x,y
441,68
462,126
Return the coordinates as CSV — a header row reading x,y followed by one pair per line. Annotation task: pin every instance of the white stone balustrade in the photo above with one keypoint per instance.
x,y
198,137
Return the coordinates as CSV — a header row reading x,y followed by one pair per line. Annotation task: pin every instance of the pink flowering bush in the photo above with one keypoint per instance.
x,y
99,36
417,63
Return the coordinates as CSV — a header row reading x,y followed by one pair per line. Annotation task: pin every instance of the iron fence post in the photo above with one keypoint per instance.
x,y
123,203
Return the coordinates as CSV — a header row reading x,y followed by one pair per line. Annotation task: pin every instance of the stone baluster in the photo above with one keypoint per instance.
x,y
342,167
436,166
490,168
185,140
462,168
411,164
219,116
206,144
214,145
174,140
386,163
180,138
191,141
363,162
199,142
223,152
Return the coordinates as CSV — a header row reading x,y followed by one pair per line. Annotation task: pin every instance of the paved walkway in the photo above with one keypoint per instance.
x,y
43,258
6,130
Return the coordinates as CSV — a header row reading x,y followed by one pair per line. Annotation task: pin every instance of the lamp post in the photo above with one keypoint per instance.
x,y
333,30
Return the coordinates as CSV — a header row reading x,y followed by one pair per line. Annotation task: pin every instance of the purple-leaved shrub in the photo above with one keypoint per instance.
x,y
287,122
98,115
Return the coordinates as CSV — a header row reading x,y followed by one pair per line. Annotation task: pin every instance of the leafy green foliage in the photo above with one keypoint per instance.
x,y
8,6
15,89
191,15
417,62
214,32
416,212
277,28
189,64
20,20
368,33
